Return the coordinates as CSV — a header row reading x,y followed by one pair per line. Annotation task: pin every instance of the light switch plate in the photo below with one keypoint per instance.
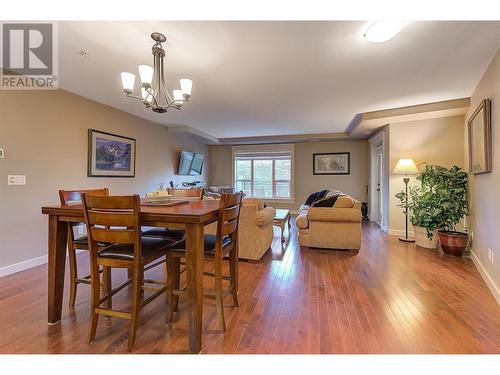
x,y
16,179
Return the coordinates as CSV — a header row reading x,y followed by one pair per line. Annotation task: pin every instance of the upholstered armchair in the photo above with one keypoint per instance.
x,y
255,230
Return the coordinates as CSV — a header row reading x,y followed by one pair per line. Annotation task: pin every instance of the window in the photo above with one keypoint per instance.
x,y
263,174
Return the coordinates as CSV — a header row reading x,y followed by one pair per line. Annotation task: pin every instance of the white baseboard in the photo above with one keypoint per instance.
x,y
400,233
494,289
24,265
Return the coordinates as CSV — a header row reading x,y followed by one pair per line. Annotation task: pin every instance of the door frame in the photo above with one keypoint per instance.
x,y
379,146
378,212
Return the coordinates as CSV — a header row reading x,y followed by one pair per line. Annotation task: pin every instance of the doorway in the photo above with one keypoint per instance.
x,y
378,214
379,179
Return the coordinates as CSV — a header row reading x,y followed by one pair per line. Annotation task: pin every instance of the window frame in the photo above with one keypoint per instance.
x,y
266,149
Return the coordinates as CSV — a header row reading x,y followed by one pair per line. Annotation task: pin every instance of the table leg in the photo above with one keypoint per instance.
x,y
194,269
58,234
282,225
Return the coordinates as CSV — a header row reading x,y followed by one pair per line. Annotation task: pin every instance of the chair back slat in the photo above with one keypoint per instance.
x,y
68,196
113,219
233,199
229,227
232,212
186,193
124,236
121,218
126,202
229,214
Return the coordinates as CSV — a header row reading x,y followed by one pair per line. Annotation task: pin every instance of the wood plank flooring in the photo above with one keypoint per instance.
x,y
390,298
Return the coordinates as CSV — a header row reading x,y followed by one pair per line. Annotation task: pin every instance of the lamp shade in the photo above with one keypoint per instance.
x,y
146,73
128,80
405,166
186,87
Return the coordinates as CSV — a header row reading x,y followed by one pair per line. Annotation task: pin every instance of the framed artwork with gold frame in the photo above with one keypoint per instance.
x,y
479,126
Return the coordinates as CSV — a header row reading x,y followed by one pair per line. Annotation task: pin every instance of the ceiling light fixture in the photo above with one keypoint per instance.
x,y
382,31
154,93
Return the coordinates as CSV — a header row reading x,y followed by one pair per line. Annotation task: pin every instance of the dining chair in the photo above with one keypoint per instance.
x,y
216,247
176,234
77,243
196,193
116,220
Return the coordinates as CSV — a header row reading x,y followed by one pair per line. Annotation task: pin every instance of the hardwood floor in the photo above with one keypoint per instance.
x,y
390,298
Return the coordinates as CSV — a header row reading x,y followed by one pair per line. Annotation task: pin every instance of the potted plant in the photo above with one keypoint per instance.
x,y
451,191
440,202
424,214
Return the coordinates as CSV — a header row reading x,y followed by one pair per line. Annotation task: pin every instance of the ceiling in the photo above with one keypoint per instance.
x,y
268,78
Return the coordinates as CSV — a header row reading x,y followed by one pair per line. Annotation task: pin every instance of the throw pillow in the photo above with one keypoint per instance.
x,y
315,196
331,193
344,201
325,202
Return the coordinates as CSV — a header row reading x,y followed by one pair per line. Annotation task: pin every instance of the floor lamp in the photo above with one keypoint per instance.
x,y
406,167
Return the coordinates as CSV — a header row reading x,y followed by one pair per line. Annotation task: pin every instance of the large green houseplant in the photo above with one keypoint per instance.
x,y
439,202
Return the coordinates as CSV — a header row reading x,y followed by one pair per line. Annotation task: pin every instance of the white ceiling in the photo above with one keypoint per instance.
x,y
278,78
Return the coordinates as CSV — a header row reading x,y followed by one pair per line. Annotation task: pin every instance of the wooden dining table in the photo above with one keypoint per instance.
x,y
191,216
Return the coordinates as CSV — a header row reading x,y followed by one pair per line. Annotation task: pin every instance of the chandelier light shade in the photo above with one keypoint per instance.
x,y
154,93
186,86
146,74
128,80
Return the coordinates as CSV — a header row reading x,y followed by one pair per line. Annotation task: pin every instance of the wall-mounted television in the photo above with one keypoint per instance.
x,y
190,163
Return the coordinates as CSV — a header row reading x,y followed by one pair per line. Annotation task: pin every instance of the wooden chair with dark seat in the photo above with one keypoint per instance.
x,y
77,243
176,234
116,220
217,247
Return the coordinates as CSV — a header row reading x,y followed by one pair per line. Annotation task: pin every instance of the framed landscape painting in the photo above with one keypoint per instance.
x,y
332,163
480,139
110,155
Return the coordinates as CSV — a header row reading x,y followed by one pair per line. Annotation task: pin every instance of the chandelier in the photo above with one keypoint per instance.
x,y
154,94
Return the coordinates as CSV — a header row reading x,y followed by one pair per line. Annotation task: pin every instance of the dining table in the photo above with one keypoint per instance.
x,y
192,216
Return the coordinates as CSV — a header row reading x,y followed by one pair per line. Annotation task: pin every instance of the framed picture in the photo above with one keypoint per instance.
x,y
110,155
480,139
332,163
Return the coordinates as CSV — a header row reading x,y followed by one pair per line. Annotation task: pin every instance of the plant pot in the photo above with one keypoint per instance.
x,y
453,243
422,240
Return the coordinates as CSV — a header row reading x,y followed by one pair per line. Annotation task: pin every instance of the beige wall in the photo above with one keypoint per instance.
x,y
434,141
220,166
44,134
484,194
354,184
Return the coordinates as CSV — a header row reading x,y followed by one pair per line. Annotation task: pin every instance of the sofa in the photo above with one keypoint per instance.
x,y
336,227
255,229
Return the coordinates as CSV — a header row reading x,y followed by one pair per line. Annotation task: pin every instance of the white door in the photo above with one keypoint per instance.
x,y
378,187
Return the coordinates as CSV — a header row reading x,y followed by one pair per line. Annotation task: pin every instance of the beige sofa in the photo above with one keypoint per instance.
x,y
337,227
255,229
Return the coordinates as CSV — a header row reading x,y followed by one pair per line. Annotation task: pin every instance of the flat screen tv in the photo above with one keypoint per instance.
x,y
190,163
